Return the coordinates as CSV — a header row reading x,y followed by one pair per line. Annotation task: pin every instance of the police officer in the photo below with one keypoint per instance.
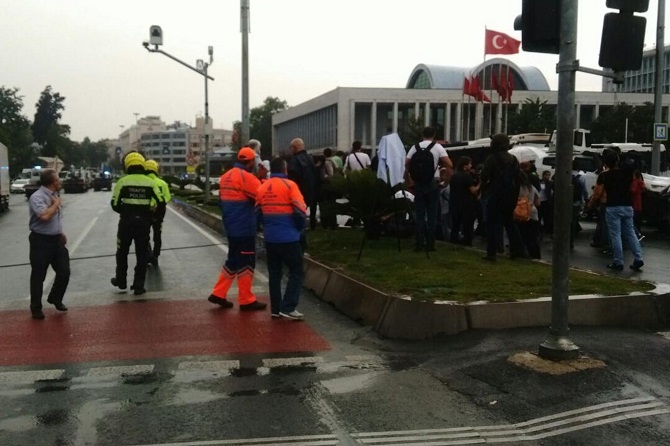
x,y
151,170
135,197
237,194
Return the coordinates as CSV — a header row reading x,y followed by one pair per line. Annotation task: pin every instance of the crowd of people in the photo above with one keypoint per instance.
x,y
284,195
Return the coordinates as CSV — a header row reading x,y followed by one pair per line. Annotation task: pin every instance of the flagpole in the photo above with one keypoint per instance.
x,y
468,126
491,102
508,102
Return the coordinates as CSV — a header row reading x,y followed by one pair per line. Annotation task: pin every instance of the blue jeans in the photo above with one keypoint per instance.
x,y
426,205
278,255
620,224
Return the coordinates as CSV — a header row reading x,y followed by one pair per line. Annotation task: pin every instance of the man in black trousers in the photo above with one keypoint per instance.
x,y
47,244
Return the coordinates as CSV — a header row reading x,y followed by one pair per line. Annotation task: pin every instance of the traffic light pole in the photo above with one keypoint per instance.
x,y
658,87
557,345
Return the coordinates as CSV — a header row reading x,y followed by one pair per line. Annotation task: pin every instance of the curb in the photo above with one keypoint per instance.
x,y
404,318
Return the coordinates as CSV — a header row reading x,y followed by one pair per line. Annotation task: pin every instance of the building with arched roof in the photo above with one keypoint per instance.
x,y
433,95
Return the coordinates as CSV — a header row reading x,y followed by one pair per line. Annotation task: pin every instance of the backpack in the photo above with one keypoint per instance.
x,y
422,164
522,209
576,188
506,185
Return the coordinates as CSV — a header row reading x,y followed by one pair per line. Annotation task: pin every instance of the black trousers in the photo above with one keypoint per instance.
x,y
45,251
462,220
135,229
157,226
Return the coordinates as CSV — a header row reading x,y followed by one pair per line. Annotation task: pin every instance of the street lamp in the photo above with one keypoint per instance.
x,y
156,39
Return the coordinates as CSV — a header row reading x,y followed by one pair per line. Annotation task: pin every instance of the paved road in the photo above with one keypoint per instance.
x,y
169,369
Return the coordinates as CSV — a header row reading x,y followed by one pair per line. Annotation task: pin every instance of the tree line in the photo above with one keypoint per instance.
x,y
45,135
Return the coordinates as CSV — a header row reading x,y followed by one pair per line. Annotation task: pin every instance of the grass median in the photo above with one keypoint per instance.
x,y
452,273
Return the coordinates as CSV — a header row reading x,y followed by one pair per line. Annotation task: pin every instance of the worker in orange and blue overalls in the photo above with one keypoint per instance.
x,y
282,209
237,194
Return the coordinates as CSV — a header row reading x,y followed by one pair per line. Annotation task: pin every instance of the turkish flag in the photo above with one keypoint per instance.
x,y
467,89
500,43
510,87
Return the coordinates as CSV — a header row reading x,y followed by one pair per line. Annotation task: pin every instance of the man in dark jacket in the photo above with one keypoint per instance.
x,y
500,191
302,171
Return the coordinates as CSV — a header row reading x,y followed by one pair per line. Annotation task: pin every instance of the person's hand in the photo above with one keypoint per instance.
x,y
63,239
56,201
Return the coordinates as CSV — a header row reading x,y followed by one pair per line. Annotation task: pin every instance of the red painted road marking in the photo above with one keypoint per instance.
x,y
141,330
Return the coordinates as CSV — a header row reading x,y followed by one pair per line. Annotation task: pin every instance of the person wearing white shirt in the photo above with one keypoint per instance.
x,y
427,194
357,160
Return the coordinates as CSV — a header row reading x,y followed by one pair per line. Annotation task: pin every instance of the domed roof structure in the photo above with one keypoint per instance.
x,y
451,78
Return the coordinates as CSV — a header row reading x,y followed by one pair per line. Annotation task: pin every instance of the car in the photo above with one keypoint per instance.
x,y
18,186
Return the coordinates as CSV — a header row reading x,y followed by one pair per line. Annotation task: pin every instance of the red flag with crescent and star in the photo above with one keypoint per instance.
x,y
500,43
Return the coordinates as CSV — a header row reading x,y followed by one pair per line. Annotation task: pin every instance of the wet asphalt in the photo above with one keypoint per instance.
x,y
360,390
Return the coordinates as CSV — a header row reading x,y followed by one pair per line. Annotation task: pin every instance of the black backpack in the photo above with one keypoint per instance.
x,y
422,164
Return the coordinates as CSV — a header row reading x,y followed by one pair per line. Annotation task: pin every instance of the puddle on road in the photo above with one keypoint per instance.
x,y
17,424
350,383
53,417
195,396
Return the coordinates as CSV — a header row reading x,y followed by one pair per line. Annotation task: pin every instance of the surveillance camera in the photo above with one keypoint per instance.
x,y
145,44
210,50
155,35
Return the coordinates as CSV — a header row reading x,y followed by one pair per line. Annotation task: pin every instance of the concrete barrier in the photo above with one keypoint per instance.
x,y
404,318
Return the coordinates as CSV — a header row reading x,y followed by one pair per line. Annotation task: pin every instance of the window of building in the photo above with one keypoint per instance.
x,y
421,81
179,152
179,160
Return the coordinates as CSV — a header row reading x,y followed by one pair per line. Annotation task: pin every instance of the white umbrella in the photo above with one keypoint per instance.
x,y
526,154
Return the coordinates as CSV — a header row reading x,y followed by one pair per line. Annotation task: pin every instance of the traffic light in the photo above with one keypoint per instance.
x,y
540,26
622,40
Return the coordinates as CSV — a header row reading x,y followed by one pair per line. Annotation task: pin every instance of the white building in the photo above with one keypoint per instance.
x,y
433,95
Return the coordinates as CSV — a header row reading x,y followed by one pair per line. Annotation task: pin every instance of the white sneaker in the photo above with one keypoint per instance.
x,y
295,315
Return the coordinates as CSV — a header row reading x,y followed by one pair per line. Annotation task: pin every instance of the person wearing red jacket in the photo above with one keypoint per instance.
x,y
282,209
237,194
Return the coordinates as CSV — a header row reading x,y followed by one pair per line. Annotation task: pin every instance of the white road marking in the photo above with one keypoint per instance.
x,y
72,248
29,376
213,239
209,366
303,440
284,362
120,370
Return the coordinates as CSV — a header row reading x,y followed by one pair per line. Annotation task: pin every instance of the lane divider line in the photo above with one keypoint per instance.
x,y
210,237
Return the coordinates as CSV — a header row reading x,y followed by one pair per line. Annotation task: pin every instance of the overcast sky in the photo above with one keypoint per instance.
x,y
91,51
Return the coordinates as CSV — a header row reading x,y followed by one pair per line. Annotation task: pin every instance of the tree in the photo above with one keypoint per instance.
x,y
46,128
260,122
412,132
15,130
611,125
236,144
535,116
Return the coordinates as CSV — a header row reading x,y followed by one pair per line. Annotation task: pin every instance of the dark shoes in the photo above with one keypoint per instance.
x,y
138,291
60,306
615,266
637,264
217,300
118,284
253,306
37,314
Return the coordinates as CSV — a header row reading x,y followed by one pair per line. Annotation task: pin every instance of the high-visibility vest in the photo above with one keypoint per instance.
x,y
283,209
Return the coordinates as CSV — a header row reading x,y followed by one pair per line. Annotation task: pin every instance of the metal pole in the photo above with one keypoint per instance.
x,y
557,345
244,27
658,88
625,136
207,185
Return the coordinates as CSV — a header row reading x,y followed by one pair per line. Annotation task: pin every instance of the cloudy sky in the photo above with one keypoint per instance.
x,y
91,51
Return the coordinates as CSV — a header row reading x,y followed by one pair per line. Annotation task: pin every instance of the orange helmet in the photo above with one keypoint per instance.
x,y
246,154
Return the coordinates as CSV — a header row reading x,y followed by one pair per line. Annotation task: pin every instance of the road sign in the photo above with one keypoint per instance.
x,y
660,131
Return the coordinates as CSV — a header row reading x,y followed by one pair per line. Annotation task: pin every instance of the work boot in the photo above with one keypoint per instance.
x,y
253,306
225,303
60,306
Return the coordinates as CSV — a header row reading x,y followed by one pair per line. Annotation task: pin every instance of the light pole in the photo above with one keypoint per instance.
x,y
156,39
244,29
203,66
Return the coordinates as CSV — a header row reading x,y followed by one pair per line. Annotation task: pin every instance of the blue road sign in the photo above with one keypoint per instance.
x,y
660,131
